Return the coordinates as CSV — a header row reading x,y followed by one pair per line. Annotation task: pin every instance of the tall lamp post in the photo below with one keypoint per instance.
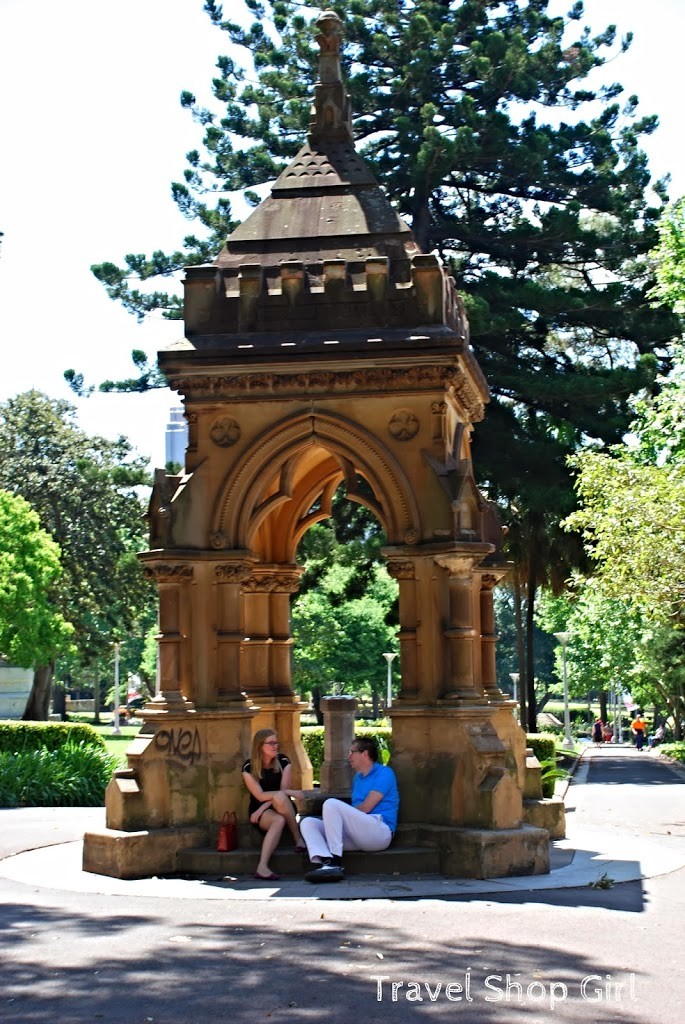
x,y
563,639
389,658
116,730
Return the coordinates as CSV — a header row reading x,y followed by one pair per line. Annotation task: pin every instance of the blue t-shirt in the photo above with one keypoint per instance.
x,y
382,780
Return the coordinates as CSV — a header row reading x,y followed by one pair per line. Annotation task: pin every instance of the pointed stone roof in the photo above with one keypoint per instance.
x,y
325,265
326,204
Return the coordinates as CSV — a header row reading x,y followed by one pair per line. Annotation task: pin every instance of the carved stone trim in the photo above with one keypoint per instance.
x,y
469,397
264,385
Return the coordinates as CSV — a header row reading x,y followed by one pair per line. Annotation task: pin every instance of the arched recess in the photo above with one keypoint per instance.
x,y
265,502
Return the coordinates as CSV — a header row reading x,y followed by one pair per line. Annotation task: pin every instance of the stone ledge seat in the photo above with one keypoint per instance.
x,y
415,849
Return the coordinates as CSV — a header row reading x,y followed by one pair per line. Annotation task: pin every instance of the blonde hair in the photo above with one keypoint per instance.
x,y
258,741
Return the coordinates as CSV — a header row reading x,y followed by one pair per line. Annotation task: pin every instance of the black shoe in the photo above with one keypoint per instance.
x,y
330,870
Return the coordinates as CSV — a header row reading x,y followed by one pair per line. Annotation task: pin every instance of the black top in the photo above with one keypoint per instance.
x,y
269,780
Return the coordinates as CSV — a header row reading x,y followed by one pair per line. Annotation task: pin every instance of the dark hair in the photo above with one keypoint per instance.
x,y
368,744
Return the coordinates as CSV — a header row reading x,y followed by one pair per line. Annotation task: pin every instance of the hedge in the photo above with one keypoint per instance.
x,y
16,736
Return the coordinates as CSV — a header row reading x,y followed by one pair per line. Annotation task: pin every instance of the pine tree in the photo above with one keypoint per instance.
x,y
479,120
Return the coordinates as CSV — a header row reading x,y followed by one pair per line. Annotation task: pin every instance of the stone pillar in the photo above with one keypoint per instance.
x,y
488,637
338,720
402,570
172,582
229,630
285,582
256,653
463,638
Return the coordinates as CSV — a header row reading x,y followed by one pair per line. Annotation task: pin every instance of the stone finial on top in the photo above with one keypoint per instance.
x,y
329,39
331,116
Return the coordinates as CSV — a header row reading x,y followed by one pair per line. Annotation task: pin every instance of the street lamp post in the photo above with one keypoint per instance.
x,y
116,730
563,639
389,658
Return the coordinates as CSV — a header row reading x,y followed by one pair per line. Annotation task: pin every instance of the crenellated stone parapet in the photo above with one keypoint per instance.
x,y
376,292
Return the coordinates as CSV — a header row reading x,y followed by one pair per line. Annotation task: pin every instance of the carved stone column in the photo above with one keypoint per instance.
x,y
172,579
402,570
256,645
488,636
229,577
462,632
285,582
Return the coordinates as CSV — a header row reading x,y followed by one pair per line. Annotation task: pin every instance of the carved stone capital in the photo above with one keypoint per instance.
x,y
458,566
167,572
401,569
273,582
232,572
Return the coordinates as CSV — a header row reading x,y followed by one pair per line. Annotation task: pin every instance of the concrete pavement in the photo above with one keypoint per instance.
x,y
43,846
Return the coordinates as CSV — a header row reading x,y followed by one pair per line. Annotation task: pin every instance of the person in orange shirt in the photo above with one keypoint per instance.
x,y
639,727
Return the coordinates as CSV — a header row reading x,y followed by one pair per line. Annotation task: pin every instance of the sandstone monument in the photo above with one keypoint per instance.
x,y
322,350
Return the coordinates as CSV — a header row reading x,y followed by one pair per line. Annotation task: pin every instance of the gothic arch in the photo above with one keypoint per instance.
x,y
303,458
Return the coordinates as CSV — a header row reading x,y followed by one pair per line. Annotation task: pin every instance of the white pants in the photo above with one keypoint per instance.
x,y
343,827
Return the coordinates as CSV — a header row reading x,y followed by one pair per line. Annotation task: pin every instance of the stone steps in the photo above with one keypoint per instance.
x,y
403,860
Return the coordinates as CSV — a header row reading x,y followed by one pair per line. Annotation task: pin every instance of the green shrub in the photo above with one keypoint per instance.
x,y
18,736
543,746
674,750
72,775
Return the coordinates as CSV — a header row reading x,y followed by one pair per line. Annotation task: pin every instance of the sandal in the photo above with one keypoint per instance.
x,y
267,878
300,848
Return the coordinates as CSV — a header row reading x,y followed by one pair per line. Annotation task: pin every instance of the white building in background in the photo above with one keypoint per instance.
x,y
176,437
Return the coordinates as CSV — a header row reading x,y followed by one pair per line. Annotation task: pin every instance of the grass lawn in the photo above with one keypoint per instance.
x,y
115,744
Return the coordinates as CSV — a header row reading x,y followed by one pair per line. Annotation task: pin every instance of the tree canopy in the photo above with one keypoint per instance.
x,y
31,629
632,518
670,258
84,491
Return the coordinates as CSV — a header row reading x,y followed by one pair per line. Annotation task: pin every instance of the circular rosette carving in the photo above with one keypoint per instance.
x,y
403,425
225,432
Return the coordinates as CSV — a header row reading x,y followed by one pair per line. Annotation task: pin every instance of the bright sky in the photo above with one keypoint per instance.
x,y
92,134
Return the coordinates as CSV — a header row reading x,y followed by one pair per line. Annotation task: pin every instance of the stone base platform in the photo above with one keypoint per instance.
x,y
416,849
138,854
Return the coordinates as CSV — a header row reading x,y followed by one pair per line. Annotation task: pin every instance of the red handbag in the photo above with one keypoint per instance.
x,y
228,833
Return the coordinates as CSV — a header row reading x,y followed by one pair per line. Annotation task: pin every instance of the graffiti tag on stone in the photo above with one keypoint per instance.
x,y
181,743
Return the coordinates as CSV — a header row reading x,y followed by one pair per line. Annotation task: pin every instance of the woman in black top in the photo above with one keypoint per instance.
x,y
267,777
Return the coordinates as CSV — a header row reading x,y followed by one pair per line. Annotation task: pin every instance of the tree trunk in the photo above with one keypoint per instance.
x,y
603,713
96,700
38,704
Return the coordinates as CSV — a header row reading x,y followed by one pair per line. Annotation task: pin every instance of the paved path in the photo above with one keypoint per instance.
x,y
611,955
